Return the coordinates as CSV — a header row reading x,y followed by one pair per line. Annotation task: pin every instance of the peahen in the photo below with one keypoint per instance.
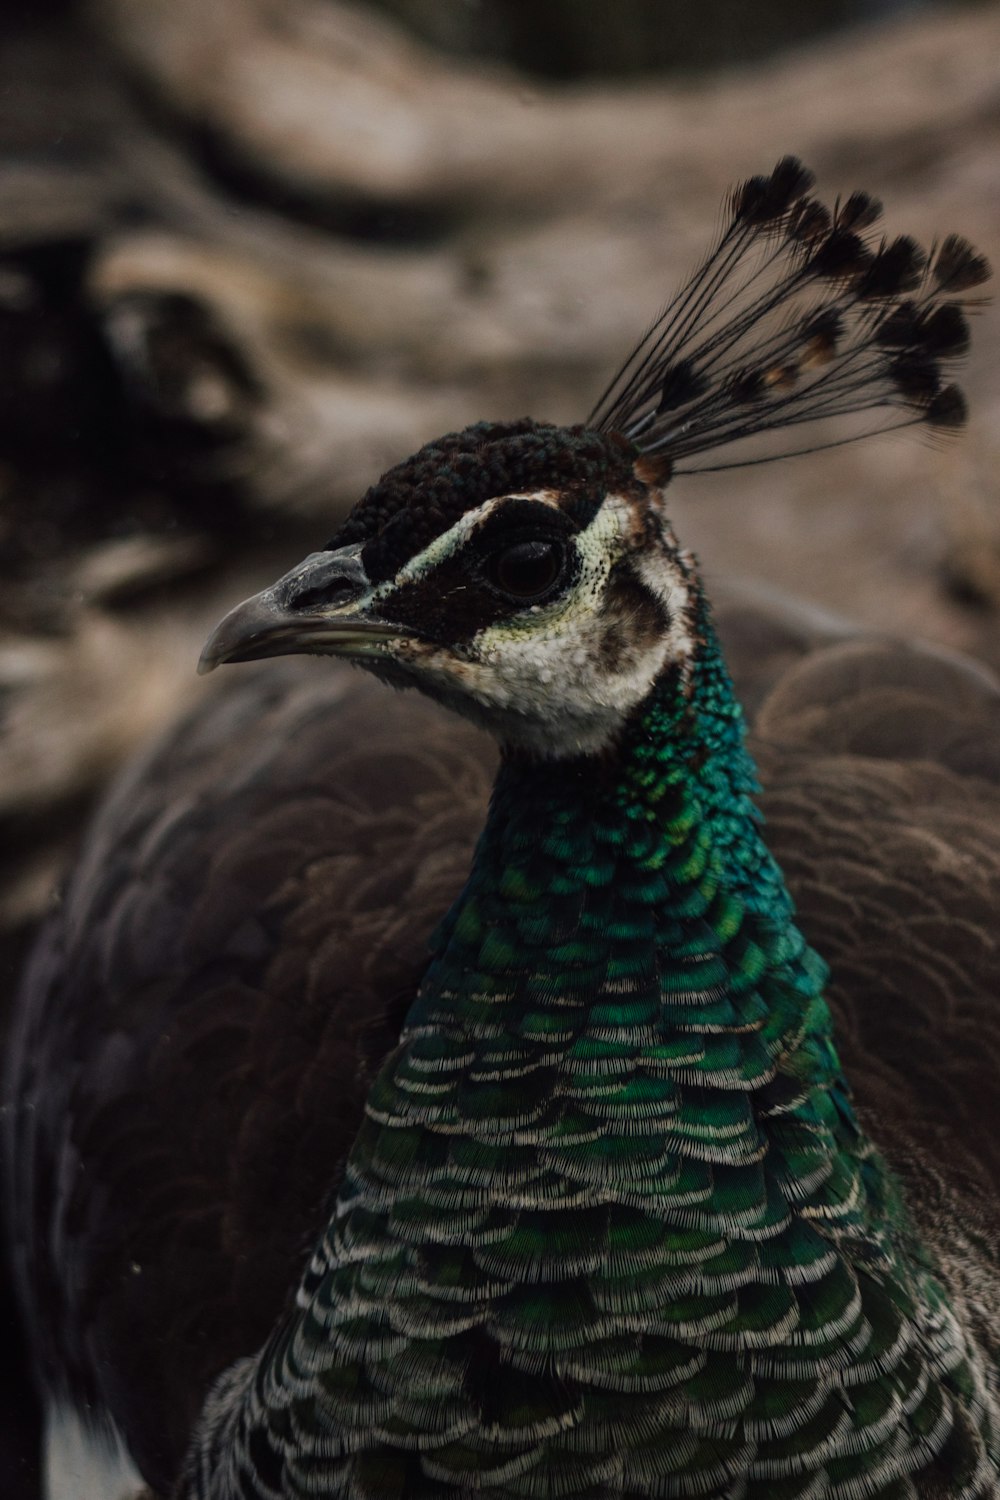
x,y
583,1205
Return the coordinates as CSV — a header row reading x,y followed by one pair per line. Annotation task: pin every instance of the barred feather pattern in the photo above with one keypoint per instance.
x,y
611,1228
798,315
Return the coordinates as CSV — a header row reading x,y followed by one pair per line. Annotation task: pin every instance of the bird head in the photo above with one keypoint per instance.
x,y
523,574
526,574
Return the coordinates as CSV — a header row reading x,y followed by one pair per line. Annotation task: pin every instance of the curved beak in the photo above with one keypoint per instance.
x,y
321,606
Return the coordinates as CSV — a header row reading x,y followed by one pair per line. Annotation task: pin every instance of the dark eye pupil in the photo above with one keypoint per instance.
x,y
527,568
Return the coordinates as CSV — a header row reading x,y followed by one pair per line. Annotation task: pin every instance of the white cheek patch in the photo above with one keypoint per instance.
x,y
549,673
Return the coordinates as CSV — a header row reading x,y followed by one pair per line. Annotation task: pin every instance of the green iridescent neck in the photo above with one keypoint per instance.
x,y
609,1201
622,1007
680,778
635,874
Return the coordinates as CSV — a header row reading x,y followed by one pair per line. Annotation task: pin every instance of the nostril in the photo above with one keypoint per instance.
x,y
329,593
326,581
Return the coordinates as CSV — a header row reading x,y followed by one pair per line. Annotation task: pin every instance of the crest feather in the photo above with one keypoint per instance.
x,y
797,315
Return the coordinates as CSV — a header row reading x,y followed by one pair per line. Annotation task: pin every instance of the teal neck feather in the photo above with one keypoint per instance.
x,y
610,1227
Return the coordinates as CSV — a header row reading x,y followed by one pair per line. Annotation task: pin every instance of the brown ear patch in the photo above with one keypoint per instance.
x,y
634,619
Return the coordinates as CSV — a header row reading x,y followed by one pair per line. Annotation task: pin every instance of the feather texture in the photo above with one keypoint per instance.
x,y
366,848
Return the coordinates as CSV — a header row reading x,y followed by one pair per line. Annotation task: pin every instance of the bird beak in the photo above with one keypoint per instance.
x,y
321,606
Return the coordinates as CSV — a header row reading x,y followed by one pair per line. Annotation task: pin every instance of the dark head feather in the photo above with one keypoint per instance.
x,y
422,497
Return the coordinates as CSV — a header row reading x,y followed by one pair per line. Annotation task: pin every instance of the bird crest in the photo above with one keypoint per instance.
x,y
798,314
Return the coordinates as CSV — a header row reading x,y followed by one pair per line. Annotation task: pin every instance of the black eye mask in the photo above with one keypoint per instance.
x,y
424,496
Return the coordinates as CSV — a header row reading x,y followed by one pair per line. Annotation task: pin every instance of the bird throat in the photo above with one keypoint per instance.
x,y
620,1004
610,1226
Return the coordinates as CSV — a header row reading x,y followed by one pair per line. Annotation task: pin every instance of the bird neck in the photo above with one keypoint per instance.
x,y
609,1201
622,984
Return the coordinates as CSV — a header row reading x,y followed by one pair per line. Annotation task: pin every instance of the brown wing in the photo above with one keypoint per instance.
x,y
765,634
231,962
881,771
881,764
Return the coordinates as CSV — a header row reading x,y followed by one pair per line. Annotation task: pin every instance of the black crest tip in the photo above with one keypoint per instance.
x,y
760,201
681,384
916,375
841,256
957,266
858,212
900,328
791,180
809,222
946,331
941,331
948,410
747,386
895,268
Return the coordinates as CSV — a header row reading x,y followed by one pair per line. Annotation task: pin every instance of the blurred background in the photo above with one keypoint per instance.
x,y
252,252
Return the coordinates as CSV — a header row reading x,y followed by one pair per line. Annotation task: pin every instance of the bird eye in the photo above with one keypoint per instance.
x,y
527,569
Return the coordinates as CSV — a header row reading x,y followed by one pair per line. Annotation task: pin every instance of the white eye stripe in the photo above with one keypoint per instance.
x,y
449,542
